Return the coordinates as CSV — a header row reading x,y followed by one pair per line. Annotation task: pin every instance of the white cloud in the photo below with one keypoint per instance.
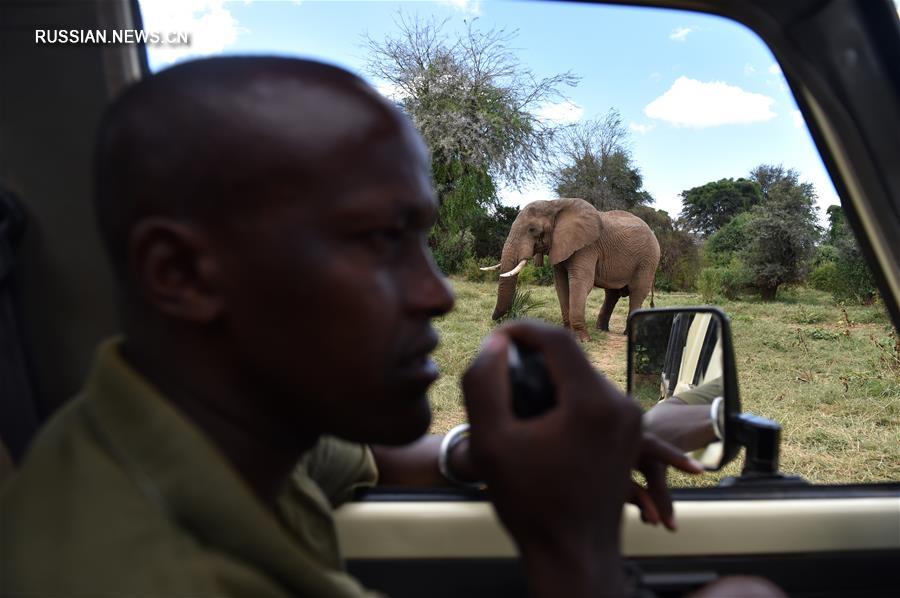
x,y
680,34
521,197
775,69
390,91
692,103
560,112
749,69
210,24
472,7
641,128
797,119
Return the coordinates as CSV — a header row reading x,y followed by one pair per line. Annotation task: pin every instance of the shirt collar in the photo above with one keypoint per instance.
x,y
175,465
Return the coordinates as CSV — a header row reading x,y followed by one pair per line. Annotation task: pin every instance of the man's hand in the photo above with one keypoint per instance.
x,y
558,482
654,501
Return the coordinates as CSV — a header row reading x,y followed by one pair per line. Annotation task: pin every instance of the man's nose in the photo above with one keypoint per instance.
x,y
431,291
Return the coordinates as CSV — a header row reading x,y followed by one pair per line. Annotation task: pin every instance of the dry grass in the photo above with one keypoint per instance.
x,y
823,371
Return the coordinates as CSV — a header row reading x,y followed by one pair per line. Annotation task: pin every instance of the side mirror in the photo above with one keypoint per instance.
x,y
681,370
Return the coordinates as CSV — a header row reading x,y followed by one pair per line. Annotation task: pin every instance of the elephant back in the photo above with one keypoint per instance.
x,y
623,231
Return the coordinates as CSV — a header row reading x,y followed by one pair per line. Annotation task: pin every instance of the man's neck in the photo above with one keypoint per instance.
x,y
264,452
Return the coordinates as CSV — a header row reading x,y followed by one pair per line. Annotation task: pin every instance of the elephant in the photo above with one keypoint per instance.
x,y
613,250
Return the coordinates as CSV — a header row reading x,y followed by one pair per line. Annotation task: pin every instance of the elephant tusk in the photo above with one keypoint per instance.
x,y
497,267
515,270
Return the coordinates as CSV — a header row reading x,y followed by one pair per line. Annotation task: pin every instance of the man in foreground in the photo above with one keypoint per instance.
x,y
266,220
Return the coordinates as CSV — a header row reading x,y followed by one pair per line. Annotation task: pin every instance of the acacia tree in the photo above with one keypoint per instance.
x,y
595,164
475,105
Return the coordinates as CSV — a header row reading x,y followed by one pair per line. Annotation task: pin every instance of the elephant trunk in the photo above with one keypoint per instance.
x,y
507,286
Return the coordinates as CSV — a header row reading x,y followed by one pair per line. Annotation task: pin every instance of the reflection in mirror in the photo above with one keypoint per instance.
x,y
676,374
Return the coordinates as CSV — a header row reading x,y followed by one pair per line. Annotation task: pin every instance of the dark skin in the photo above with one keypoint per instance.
x,y
201,286
317,303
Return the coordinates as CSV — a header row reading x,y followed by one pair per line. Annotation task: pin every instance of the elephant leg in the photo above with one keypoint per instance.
x,y
579,288
636,299
561,282
609,304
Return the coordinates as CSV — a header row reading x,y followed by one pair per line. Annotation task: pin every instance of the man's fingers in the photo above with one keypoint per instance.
x,y
656,449
486,384
562,353
643,501
659,494
566,361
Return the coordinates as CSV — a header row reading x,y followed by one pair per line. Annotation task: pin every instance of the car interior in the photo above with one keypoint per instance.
x,y
839,58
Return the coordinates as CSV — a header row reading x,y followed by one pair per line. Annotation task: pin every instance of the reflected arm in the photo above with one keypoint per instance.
x,y
688,427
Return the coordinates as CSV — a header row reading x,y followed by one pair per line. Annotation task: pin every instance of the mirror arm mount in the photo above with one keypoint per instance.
x,y
762,438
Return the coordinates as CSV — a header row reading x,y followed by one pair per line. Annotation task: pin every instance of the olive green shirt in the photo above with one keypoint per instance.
x,y
703,394
121,495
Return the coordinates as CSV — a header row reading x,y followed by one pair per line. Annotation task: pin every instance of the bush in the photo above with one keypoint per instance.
x,y
853,281
531,275
472,271
823,277
846,276
522,304
490,230
680,274
728,241
727,281
839,265
709,283
451,250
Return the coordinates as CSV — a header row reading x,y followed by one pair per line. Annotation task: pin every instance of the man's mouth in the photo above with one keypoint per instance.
x,y
418,364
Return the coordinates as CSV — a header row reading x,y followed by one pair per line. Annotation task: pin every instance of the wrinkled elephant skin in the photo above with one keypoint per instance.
x,y
614,250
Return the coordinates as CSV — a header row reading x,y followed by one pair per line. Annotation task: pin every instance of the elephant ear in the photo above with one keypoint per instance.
x,y
578,224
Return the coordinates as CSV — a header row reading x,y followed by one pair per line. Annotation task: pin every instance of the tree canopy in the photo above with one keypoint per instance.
x,y
771,241
595,164
707,208
475,105
782,234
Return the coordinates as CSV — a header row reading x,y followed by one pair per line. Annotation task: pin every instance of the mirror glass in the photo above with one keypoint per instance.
x,y
676,371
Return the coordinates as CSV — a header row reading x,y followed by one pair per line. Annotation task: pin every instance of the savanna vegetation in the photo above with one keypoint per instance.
x,y
829,373
815,350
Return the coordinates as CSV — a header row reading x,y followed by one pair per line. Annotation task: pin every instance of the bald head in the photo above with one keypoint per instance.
x,y
207,141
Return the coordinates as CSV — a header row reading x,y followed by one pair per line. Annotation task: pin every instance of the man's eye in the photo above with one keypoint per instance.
x,y
385,240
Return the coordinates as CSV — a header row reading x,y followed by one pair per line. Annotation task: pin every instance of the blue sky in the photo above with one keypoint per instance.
x,y
703,97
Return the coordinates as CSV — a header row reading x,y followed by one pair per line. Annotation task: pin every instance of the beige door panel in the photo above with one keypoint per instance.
x,y
409,530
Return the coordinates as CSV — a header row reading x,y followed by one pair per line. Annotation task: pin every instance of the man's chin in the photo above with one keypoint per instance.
x,y
396,428
408,427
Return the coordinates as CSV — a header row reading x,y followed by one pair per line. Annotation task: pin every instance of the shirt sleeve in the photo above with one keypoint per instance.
x,y
340,467
702,394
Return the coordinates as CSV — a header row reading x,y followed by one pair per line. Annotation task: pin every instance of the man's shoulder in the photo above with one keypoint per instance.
x,y
72,522
71,518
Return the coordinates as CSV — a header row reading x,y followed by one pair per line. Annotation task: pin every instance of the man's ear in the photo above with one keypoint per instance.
x,y
175,270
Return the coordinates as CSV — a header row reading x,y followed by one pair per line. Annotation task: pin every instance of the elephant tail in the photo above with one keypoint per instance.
x,y
652,289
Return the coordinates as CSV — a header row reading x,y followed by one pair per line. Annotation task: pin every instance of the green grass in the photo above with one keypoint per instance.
x,y
824,371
